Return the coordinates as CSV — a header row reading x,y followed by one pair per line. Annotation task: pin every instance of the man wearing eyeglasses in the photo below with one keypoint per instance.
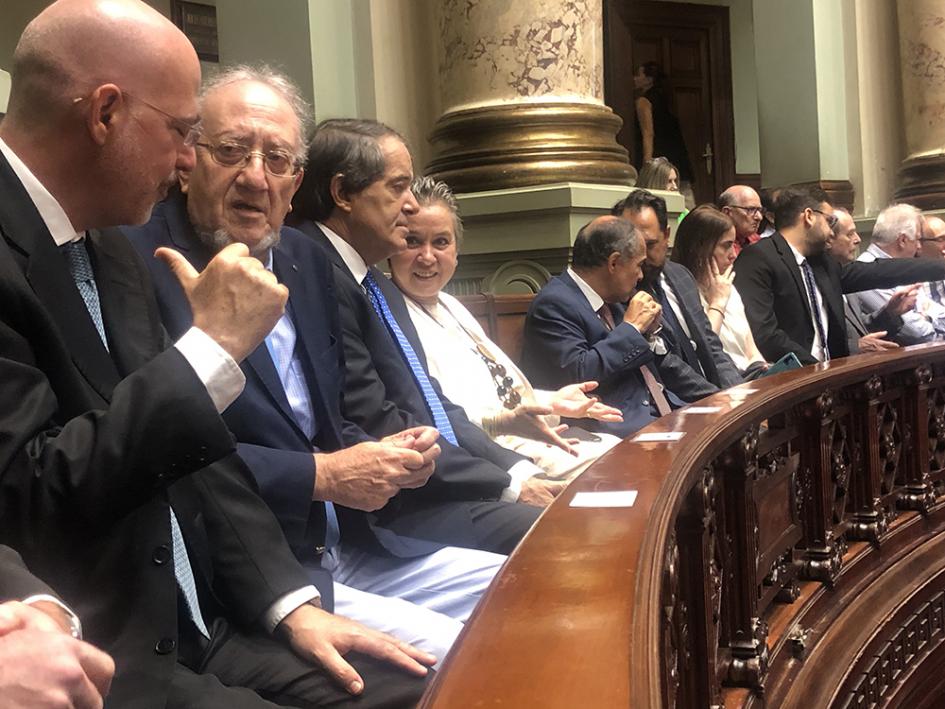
x,y
117,481
307,459
793,288
743,205
898,233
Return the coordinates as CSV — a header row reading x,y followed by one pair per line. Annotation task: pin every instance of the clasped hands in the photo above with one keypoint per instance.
x,y
365,476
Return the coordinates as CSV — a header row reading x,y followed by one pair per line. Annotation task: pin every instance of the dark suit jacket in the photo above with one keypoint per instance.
x,y
566,342
720,371
381,396
91,444
269,439
771,285
859,325
16,582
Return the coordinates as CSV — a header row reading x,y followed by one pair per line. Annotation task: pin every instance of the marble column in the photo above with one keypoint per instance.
x,y
922,61
521,90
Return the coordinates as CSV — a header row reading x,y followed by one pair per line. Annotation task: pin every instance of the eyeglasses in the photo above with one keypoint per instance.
x,y
277,163
935,239
832,219
189,131
752,211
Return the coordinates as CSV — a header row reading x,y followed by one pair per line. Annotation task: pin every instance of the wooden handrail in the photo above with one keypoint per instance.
x,y
803,488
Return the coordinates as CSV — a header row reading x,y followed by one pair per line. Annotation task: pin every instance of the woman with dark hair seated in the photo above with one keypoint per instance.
x,y
705,244
471,369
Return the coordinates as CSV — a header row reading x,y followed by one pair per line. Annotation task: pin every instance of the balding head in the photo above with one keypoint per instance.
x,y
102,93
743,205
75,45
608,254
933,238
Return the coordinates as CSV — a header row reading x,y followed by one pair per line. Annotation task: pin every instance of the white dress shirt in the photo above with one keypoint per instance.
x,y
521,471
817,348
219,373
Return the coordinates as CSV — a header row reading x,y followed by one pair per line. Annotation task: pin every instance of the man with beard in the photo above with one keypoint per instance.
x,y
792,288
695,364
288,420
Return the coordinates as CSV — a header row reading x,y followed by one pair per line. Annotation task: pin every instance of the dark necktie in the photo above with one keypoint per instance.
x,y
435,406
649,379
80,267
678,333
812,294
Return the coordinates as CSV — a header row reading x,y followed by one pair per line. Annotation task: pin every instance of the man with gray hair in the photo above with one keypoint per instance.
x,y
577,328
896,234
288,421
118,483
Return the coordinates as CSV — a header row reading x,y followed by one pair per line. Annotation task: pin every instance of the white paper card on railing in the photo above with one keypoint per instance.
x,y
609,498
660,436
702,410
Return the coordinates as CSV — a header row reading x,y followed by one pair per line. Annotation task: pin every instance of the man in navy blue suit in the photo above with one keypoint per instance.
x,y
355,201
313,468
577,330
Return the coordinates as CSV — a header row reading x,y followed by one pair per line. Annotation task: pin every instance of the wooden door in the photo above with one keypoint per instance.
x,y
691,44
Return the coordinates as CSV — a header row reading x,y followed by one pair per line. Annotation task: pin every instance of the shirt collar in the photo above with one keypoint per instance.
x,y
592,297
798,256
50,211
348,254
877,251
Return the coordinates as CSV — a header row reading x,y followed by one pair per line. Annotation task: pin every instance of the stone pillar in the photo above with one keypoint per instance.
x,y
523,137
521,89
922,60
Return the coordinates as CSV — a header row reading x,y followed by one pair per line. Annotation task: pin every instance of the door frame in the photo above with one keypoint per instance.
x,y
618,73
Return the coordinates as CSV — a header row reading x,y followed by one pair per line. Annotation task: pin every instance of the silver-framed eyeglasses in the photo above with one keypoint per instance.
x,y
189,131
278,163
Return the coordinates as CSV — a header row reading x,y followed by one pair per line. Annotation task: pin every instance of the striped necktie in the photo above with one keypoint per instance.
x,y
77,257
812,293
379,302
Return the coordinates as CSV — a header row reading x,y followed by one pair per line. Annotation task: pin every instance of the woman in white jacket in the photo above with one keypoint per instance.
x,y
471,369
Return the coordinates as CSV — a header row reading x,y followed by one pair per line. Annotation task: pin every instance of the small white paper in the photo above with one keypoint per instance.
x,y
702,410
612,498
735,393
659,437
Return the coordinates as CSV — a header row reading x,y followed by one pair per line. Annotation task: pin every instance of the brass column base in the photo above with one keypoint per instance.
x,y
500,147
922,182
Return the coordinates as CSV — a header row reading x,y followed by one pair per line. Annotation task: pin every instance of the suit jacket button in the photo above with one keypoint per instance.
x,y
319,550
165,646
646,402
161,555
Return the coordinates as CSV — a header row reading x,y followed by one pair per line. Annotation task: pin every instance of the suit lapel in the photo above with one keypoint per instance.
x,y
853,318
787,257
49,277
827,290
305,328
123,300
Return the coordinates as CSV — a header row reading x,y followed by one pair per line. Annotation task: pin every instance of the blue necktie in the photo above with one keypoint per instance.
x,y
440,420
812,293
281,343
80,267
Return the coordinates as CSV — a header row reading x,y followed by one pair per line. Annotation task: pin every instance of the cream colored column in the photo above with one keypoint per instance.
x,y
521,89
922,60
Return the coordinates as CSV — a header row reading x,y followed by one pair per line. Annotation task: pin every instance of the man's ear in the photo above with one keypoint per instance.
x,y
613,261
296,183
183,179
338,194
105,111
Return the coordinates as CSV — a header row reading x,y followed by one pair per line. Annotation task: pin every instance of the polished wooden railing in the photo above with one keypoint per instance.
x,y
788,550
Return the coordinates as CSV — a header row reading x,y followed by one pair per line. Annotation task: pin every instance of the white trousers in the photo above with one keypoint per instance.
x,y
423,600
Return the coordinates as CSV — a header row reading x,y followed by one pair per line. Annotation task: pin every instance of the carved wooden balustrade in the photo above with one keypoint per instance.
x,y
787,551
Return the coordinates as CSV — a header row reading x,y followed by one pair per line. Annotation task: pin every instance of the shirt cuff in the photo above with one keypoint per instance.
x,y
219,372
75,625
520,472
288,603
